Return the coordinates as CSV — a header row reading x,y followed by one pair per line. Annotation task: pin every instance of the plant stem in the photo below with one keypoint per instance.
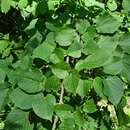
x,y
60,102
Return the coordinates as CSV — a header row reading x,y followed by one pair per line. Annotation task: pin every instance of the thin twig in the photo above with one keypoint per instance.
x,y
60,101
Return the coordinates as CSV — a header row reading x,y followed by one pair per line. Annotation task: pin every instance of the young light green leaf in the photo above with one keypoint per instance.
x,y
126,5
112,5
5,5
22,3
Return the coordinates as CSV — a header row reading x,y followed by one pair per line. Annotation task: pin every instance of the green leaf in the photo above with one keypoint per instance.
x,y
63,107
67,124
114,68
4,93
79,119
21,99
44,51
95,60
82,25
57,56
83,87
41,8
90,47
18,120
3,45
89,106
113,88
22,3
90,3
32,81
107,23
74,50
71,82
52,83
89,35
2,75
5,5
65,37
126,67
126,5
108,43
60,70
112,5
43,108
124,42
98,86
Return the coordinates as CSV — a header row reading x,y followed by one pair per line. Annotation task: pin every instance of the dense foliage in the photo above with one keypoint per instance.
x,y
65,64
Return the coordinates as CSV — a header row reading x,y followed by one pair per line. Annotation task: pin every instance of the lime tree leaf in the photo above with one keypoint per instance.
x,y
125,42
52,83
89,106
108,43
60,70
126,67
107,23
31,81
2,75
83,87
90,123
44,51
63,107
90,47
74,50
89,35
57,56
112,5
21,99
22,3
126,5
79,119
44,108
114,68
3,45
71,82
18,120
113,89
90,3
65,37
95,60
4,93
34,41
5,5
82,25
67,124
98,86
41,8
